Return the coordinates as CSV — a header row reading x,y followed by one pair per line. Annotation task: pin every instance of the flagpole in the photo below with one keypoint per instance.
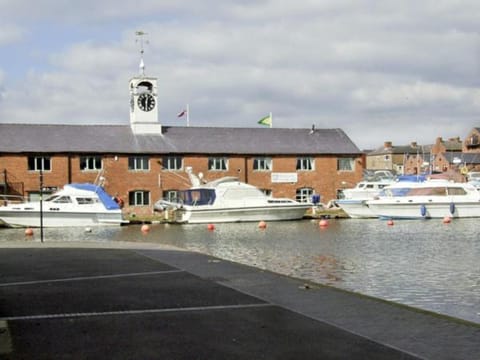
x,y
188,116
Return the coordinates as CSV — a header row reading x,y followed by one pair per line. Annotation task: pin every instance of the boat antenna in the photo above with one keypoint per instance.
x,y
142,40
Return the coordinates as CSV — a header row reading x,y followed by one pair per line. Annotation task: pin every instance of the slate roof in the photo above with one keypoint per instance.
x,y
467,158
453,145
43,138
402,149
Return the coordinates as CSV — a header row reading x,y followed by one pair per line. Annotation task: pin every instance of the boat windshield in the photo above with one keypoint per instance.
x,y
63,200
59,199
197,196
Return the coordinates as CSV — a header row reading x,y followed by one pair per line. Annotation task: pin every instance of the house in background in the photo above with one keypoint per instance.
x,y
442,156
390,157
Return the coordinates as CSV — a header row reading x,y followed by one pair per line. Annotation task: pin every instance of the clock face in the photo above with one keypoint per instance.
x,y
146,102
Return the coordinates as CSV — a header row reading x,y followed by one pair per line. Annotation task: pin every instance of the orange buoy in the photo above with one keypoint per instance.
x,y
262,224
390,222
447,220
28,231
145,228
211,227
323,223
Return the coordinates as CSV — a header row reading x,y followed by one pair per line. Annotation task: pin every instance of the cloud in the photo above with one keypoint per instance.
x,y
375,69
10,34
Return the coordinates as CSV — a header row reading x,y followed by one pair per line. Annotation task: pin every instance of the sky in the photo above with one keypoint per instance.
x,y
380,70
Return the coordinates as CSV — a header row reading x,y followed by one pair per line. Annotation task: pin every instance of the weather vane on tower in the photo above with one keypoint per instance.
x,y
140,38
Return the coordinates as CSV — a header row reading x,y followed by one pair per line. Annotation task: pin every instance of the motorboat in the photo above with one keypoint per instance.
x,y
354,200
366,189
229,200
430,199
83,204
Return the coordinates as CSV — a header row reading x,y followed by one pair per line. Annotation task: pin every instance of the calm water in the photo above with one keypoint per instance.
x,y
426,264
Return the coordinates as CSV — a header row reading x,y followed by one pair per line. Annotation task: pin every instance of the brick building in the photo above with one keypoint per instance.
x,y
144,161
442,156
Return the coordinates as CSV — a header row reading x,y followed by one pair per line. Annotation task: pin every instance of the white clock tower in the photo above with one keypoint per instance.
x,y
143,101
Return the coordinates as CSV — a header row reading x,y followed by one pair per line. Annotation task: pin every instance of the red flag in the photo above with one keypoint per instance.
x,y
180,114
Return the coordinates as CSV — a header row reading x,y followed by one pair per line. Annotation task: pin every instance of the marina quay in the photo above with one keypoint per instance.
x,y
136,301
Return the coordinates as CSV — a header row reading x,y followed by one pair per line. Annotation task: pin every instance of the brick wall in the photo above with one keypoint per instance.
x,y
325,179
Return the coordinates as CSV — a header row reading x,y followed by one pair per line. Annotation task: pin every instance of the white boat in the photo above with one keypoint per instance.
x,y
229,200
74,205
430,199
354,201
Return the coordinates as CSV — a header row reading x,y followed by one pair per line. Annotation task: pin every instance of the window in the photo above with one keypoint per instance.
x,y
37,163
262,164
139,163
305,163
170,195
86,201
139,198
63,200
304,194
173,163
345,164
218,163
90,163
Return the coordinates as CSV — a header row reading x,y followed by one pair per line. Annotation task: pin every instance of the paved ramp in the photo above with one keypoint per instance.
x,y
125,304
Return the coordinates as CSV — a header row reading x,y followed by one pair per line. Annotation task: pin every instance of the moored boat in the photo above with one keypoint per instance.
x,y
229,200
430,199
74,205
354,201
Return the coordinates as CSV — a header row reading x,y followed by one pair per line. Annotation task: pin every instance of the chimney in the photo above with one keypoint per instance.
x,y
387,145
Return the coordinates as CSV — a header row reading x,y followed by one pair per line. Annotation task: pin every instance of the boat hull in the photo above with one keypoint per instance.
x,y
198,215
425,210
356,209
59,219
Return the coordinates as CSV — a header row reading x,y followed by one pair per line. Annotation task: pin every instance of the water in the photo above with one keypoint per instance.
x,y
426,264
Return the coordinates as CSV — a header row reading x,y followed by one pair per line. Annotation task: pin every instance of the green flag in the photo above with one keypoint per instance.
x,y
267,120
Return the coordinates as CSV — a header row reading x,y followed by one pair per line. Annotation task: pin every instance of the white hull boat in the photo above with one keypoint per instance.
x,y
74,205
354,203
431,199
356,208
229,200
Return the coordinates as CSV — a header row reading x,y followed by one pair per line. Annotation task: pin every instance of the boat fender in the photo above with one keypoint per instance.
x,y
423,210
452,208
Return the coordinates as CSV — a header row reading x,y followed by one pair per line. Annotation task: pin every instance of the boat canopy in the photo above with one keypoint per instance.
x,y
411,178
106,199
197,196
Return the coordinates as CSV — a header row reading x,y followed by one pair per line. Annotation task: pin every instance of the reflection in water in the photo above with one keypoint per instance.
x,y
426,264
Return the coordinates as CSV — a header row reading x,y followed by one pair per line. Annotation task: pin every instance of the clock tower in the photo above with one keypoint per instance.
x,y
143,101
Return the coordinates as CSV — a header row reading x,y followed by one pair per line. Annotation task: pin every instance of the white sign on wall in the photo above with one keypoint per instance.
x,y
284,177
